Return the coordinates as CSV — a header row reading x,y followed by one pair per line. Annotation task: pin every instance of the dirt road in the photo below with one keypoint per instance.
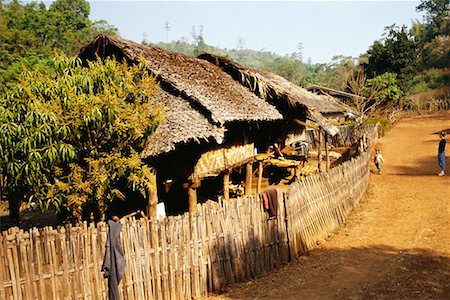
x,y
395,245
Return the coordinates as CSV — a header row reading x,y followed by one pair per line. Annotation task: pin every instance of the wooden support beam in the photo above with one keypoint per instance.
x,y
226,186
192,196
327,152
248,178
260,173
305,124
152,198
319,151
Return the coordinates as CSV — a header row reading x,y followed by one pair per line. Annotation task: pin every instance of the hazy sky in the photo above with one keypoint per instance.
x,y
325,28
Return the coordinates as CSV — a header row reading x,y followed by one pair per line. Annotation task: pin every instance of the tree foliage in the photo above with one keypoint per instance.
x,y
30,33
69,137
397,53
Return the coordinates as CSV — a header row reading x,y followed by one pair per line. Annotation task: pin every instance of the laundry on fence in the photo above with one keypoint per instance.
x,y
114,263
270,198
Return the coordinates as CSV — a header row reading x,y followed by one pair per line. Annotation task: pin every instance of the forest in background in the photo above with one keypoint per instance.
x,y
406,60
410,63
68,134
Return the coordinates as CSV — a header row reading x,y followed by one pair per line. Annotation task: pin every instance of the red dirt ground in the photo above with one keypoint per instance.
x,y
396,244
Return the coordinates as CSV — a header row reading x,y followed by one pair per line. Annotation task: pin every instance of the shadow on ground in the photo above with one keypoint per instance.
x,y
380,272
29,217
428,166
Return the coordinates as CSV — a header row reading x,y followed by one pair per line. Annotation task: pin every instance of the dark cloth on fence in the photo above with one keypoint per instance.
x,y
270,198
114,263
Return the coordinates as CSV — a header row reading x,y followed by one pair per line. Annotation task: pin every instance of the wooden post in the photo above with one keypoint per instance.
x,y
319,151
152,198
192,196
260,173
327,152
248,178
226,185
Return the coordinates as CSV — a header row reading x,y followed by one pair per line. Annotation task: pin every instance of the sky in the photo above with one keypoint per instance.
x,y
325,28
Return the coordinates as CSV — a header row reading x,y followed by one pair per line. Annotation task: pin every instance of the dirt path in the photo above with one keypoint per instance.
x,y
395,245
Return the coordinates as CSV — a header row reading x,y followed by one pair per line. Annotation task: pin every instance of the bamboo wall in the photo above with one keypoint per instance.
x,y
187,256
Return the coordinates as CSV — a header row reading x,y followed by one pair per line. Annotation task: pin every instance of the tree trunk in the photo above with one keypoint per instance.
x,y
152,199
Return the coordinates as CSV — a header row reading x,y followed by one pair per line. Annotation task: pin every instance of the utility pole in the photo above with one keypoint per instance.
x,y
167,27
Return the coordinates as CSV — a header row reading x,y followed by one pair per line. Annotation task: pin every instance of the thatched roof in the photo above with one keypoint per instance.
x,y
206,86
181,124
280,92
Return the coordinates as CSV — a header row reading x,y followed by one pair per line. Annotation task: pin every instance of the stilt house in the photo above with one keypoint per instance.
x,y
214,119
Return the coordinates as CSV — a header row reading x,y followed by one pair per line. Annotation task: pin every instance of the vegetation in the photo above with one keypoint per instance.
x,y
31,32
70,134
70,138
401,64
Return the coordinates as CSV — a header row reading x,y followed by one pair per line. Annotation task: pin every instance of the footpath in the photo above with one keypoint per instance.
x,y
396,244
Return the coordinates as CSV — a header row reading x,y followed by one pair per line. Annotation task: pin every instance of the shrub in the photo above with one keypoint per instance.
x,y
384,125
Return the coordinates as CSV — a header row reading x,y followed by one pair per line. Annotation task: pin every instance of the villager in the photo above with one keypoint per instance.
x,y
278,153
441,153
114,262
378,160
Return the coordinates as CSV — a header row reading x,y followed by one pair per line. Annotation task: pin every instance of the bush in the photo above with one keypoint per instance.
x,y
384,125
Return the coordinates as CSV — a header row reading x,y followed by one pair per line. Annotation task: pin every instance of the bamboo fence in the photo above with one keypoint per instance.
x,y
187,256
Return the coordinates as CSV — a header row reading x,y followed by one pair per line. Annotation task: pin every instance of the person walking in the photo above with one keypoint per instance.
x,y
441,153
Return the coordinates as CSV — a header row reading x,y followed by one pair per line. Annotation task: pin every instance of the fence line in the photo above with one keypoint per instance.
x,y
186,256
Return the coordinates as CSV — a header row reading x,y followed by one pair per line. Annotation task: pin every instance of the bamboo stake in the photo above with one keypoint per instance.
x,y
260,173
248,178
319,151
226,186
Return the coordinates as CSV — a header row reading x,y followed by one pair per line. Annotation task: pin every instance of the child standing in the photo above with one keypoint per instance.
x,y
378,160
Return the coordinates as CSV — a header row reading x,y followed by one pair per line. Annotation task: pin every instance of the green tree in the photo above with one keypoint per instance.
x,y
436,17
199,41
30,33
71,138
388,93
397,53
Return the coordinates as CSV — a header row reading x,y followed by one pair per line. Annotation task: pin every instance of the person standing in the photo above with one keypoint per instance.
x,y
378,160
441,153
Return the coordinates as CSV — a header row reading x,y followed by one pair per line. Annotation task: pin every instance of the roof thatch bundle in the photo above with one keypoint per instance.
x,y
280,92
205,85
181,124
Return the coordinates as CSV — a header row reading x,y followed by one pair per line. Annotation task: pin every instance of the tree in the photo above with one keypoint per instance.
x,y
384,90
30,33
199,41
397,53
436,17
363,102
437,52
71,137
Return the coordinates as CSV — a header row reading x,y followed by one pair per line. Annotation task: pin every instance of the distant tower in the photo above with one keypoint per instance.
x,y
167,27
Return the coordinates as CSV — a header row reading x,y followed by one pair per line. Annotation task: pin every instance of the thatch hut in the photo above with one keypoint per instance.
x,y
296,103
291,99
211,122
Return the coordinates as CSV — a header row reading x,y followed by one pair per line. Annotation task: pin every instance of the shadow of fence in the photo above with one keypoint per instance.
x,y
185,256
